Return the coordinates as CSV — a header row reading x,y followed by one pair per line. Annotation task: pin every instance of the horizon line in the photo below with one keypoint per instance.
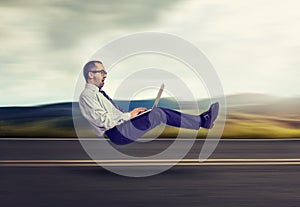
x,y
149,99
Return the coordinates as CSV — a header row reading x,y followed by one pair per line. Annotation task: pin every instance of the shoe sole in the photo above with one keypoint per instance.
x,y
215,111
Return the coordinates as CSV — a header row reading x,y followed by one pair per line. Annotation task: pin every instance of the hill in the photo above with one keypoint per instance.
x,y
248,116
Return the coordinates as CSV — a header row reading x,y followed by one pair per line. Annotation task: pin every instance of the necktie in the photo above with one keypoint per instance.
x,y
108,98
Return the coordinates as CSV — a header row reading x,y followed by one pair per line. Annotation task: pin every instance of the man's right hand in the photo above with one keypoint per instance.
x,y
136,111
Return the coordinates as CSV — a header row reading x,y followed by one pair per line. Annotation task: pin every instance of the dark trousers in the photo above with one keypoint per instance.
x,y
133,129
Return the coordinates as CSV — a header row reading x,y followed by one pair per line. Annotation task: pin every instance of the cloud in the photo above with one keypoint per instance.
x,y
47,39
63,23
254,46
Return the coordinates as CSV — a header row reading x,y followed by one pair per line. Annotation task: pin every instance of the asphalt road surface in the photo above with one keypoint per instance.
x,y
238,173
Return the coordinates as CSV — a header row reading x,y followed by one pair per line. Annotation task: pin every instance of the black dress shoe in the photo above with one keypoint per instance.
x,y
208,117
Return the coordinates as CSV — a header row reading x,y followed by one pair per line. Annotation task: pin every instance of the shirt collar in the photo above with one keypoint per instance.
x,y
92,87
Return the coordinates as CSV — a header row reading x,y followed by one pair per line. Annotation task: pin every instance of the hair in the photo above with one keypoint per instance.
x,y
88,67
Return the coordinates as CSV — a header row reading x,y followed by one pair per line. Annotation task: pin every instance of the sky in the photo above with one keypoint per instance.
x,y
254,46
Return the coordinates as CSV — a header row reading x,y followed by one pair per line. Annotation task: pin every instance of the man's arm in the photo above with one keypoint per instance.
x,y
101,113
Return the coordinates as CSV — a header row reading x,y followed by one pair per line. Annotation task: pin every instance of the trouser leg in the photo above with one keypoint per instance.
x,y
133,129
178,119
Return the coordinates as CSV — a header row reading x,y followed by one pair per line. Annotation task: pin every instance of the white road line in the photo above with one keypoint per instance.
x,y
145,139
155,161
137,163
145,164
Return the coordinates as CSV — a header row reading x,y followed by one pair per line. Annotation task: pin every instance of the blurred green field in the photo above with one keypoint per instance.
x,y
248,116
55,127
241,125
237,125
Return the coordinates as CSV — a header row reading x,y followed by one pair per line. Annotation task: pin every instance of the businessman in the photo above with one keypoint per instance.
x,y
121,127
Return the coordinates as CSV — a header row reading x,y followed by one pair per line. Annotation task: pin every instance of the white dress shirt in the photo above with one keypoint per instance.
x,y
99,111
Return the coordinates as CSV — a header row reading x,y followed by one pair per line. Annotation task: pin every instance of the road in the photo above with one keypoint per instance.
x,y
60,173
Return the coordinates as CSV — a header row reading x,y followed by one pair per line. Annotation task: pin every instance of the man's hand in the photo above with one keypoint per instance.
x,y
136,111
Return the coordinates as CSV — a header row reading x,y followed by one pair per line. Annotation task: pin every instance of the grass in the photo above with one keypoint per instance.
x,y
54,127
237,125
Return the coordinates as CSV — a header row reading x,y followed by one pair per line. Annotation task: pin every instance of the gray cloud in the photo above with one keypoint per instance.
x,y
64,23
253,45
42,40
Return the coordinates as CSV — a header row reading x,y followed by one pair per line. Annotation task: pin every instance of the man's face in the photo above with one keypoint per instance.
x,y
98,75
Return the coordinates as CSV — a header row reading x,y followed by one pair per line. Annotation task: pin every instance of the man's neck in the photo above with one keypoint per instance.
x,y
92,86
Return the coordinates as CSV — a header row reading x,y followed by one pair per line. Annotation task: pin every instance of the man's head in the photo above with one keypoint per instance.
x,y
94,73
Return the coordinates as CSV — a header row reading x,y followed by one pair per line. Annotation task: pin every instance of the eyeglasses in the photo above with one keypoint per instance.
x,y
99,71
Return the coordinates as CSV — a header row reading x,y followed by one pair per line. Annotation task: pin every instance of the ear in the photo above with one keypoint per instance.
x,y
90,75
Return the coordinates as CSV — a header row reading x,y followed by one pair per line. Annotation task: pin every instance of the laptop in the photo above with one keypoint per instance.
x,y
155,102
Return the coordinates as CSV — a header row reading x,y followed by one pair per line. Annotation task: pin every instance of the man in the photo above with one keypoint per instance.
x,y
126,127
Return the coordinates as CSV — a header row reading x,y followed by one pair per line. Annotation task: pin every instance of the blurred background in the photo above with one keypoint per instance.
x,y
253,46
